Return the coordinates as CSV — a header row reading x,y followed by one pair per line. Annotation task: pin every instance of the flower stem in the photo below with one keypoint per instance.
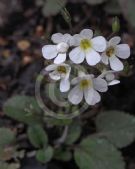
x,y
63,137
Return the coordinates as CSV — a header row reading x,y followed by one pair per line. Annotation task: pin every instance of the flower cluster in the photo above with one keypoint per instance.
x,y
95,50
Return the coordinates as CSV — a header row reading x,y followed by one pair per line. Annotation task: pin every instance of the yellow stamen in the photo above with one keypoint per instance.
x,y
85,84
61,69
110,51
85,44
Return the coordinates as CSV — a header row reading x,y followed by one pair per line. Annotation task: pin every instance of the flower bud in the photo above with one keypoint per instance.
x,y
115,25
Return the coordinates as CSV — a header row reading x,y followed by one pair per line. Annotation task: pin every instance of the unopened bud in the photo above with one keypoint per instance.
x,y
115,25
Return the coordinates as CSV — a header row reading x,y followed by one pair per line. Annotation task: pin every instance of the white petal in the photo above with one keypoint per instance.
x,y
92,57
115,63
99,43
57,38
104,58
54,75
77,55
123,51
66,38
62,47
91,96
87,33
83,75
109,76
89,76
88,95
75,80
75,96
114,82
105,72
68,69
64,85
49,51
60,58
100,84
51,67
72,42
114,41
76,39
96,98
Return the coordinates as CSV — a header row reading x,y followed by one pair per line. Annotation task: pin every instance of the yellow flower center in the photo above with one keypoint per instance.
x,y
110,51
85,44
85,84
61,69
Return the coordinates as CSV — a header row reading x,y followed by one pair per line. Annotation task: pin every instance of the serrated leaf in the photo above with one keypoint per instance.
x,y
23,108
53,7
74,133
37,136
95,153
62,155
118,127
45,155
95,2
6,137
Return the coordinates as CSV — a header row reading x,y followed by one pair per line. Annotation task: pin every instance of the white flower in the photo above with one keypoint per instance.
x,y
109,77
57,51
60,72
87,87
113,52
86,47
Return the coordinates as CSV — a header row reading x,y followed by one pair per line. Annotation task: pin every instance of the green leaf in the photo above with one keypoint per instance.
x,y
95,2
74,133
58,122
37,136
118,127
62,155
45,155
6,137
128,7
113,7
95,153
53,7
24,109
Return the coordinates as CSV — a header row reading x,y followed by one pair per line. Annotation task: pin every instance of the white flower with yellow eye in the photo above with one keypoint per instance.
x,y
57,51
113,52
87,86
87,47
110,77
60,72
